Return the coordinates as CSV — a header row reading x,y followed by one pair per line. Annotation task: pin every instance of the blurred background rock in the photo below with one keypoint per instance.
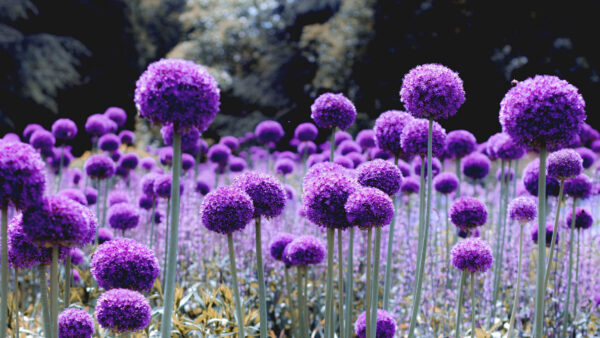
x,y
273,57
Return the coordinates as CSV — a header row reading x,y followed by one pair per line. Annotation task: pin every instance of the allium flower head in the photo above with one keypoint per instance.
x,y
522,209
549,231
380,174
42,139
460,143
109,142
583,218
341,136
564,164
410,185
307,148
414,138
531,177
333,110
104,235
385,326
587,155
64,129
436,166
117,115
237,164
266,192
284,166
22,252
344,162
117,196
178,92
75,194
100,167
468,212
388,130
475,166
202,187
22,177
147,163
445,183
505,148
162,186
472,255
348,146
432,91
219,154
91,195
579,186
29,130
278,244
322,168
129,161
97,125
122,310
368,208
304,250
77,256
123,216
75,323
543,110
306,132
366,139
231,142
127,137
269,131
226,210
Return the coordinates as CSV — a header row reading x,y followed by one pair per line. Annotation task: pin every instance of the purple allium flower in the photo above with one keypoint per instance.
x,y
445,183
189,138
322,168
472,254
219,154
468,212
162,186
145,202
100,167
579,187
124,263
123,216
269,131
595,146
22,177
115,155
488,149
91,195
348,146
304,250
388,130
30,129
341,136
165,156
333,110
366,139
109,142
97,125
202,187
11,137
278,244
549,230
75,194
226,209
178,92
22,252
385,326
410,185
307,148
122,310
380,174
104,235
76,175
414,138
505,148
344,162
587,156
231,142
564,164
129,161
127,137
475,166
325,196
368,208
187,162
42,139
75,323
306,132
147,163
284,166
315,159
405,168
588,134
460,143
509,174
432,91
289,192
64,129
237,164
147,184
531,177
77,256
356,158
462,233
522,209
583,218
543,110
117,115
266,192
436,166
290,155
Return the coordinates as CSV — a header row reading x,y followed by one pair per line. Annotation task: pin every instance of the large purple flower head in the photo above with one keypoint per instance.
x,y
385,326
75,323
380,174
97,125
414,138
278,244
410,185
325,196
587,155
124,263
42,139
542,111
460,143
127,137
122,310
58,220
304,250
266,192
64,129
109,142
549,231
29,130
74,194
472,255
368,208
436,166
579,187
531,177
445,183
321,168
22,177
432,91
333,110
117,115
306,132
475,166
522,209
226,210
505,148
178,92
100,167
219,154
162,186
564,164
366,139
388,130
123,216
104,235
269,131
583,218
468,213
22,252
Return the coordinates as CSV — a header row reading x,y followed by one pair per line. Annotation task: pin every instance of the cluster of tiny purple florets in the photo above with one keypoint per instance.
x,y
333,111
226,209
472,255
122,310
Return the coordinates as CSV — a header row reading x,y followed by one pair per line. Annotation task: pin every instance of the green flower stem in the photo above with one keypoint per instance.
x,y
45,307
67,298
17,301
554,231
463,274
60,170
261,280
447,259
497,263
235,287
54,290
288,287
375,281
349,284
390,252
566,318
458,174
540,292
340,281
104,201
473,305
166,242
173,239
368,289
513,314
329,292
151,243
4,286
97,210
576,278
302,307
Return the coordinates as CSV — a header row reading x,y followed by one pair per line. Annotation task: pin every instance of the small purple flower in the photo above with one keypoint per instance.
x,y
226,210
97,125
127,137
266,192
231,142
531,177
122,310
344,162
22,252
42,139
472,255
129,161
306,132
564,164
579,187
75,323
284,166
202,187
117,115
219,154
341,136
117,196
278,244
348,146
505,148
324,198
549,231
109,142
460,143
436,167
29,130
104,235
415,134
77,256
587,156
64,129
366,139
380,174
269,131
385,326
468,212
100,167
162,186
333,110
148,163
522,209
368,208
307,148
91,195
123,216
388,130
583,218
445,183
304,250
475,166
410,185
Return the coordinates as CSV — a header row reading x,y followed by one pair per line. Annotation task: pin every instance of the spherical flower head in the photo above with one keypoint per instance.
x,y
148,182
333,110
460,143
531,177
269,131
488,147
104,235
122,310
129,161
77,256
64,129
109,142
583,218
22,252
284,166
303,251
579,187
366,139
278,244
91,195
472,255
42,139
145,202
237,164
22,177
343,161
74,194
432,91
380,174
368,208
306,132
307,148
348,146
445,183
75,323
321,168
410,185
414,138
148,163
124,263
522,209
219,154
564,164
266,192
385,326
549,231
595,146
356,158
505,148
29,130
468,212
187,162
542,111
97,125
202,187
587,155
115,155
162,186
117,115
189,137
127,137
100,167
388,130
341,136
475,166
436,167
123,216
226,209
325,196
178,92
231,142
405,168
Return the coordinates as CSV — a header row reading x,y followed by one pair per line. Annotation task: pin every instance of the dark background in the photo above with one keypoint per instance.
x,y
72,58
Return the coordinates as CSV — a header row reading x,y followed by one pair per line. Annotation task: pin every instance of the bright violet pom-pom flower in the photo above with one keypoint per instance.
x,y
505,148
564,164
100,167
278,244
460,143
410,185
123,216
42,139
230,141
583,218
306,132
284,166
341,136
266,192
432,91
124,263
117,115
22,252
348,146
475,166
97,125
64,129
219,154
414,138
104,235
385,326
388,130
304,250
109,142
579,187
531,177
468,212
522,209
549,232
445,183
269,131
380,174
472,255
366,139
436,166
226,210
178,92
162,186
333,110
122,310
77,256
543,110
22,177
29,130
127,137
325,195
75,323
587,155
368,208
322,168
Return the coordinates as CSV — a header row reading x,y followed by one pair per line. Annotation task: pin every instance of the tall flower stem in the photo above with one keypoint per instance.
x,y
166,241
67,298
425,225
459,303
540,292
473,305
288,287
236,292
554,231
340,281
329,292
447,259
60,165
497,262
4,284
45,307
513,313
349,284
261,279
17,301
375,281
302,307
368,289
566,319
97,209
104,201
576,278
54,290
459,176
390,250
151,243
173,245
